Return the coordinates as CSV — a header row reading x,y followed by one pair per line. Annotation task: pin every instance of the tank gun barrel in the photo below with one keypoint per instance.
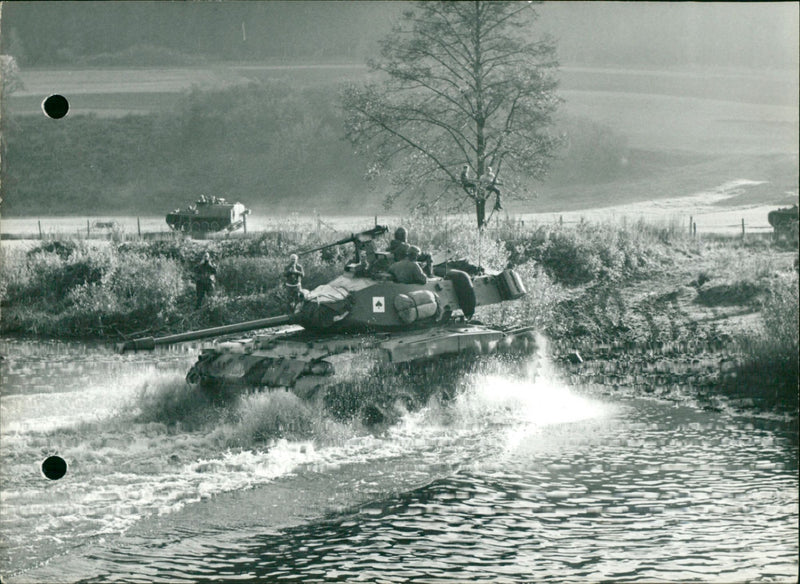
x,y
367,235
150,343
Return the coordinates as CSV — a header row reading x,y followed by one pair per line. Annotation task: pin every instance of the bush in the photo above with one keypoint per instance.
x,y
51,276
780,313
580,255
768,369
89,288
569,259
246,275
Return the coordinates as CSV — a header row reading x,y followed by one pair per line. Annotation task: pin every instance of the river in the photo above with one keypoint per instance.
x,y
520,477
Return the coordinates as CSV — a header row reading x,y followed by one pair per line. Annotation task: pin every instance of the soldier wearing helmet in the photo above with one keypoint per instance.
x,y
397,245
293,282
205,276
407,270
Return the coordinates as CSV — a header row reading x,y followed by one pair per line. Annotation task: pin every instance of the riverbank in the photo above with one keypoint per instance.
x,y
621,303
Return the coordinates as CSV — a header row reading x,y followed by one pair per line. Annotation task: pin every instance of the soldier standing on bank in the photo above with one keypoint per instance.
x,y
205,275
293,276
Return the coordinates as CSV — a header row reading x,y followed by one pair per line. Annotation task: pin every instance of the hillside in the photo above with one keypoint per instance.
x,y
143,141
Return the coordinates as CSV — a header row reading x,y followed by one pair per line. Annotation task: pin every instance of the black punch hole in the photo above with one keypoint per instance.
x,y
55,106
54,467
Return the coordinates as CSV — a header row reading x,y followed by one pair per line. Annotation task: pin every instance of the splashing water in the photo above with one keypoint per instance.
x,y
522,404
515,459
142,442
494,409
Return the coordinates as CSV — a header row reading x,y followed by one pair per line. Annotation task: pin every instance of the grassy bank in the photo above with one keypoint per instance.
x,y
599,289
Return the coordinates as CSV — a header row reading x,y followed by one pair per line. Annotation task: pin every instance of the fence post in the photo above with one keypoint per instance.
x,y
742,227
39,221
691,222
138,228
87,228
694,229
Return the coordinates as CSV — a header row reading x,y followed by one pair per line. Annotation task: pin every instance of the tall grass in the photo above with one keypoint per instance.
x,y
119,289
768,367
575,255
74,289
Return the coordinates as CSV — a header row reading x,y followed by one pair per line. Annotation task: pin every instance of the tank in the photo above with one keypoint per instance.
x,y
360,317
209,215
784,221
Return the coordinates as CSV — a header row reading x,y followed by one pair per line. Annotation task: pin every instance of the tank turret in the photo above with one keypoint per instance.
x,y
362,313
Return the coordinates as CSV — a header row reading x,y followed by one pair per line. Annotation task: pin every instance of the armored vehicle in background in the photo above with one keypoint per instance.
x,y
361,317
785,222
209,215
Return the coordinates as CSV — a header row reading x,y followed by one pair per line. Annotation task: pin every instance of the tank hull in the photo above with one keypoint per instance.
x,y
207,217
310,364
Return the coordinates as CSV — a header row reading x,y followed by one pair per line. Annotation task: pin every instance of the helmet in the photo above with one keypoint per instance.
x,y
413,252
401,234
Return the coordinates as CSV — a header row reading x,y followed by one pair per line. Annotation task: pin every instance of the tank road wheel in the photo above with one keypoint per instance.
x,y
214,226
193,377
204,227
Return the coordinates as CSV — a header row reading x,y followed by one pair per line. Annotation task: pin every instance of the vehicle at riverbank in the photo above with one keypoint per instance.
x,y
785,222
366,316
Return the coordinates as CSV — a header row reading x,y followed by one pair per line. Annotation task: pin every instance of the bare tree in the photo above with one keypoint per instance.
x,y
463,83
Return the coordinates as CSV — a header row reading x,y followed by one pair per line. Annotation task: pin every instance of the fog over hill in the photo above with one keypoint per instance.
x,y
641,34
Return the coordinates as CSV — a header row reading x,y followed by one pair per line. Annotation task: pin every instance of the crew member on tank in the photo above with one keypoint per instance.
x,y
360,268
293,276
407,270
205,274
397,247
